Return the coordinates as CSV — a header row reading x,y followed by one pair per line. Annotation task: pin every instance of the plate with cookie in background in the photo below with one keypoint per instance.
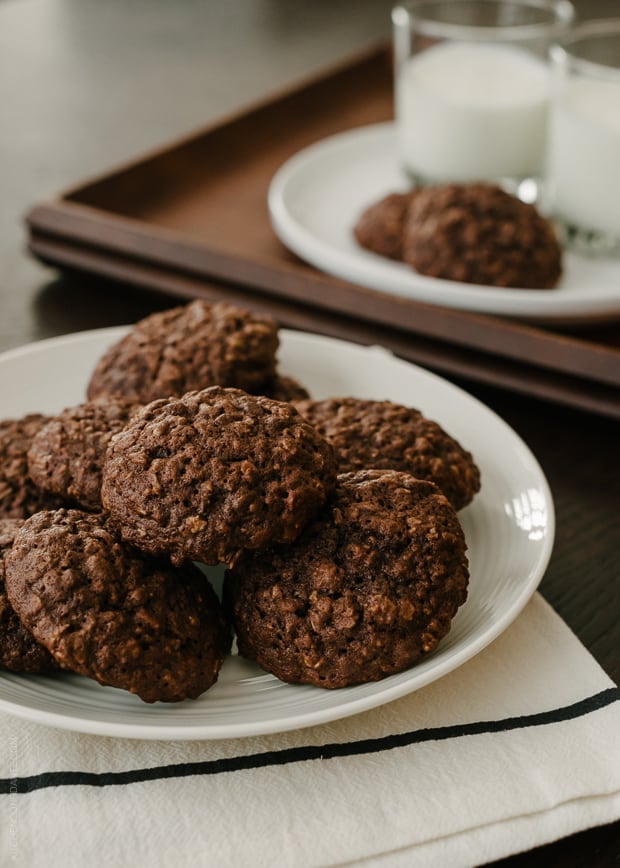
x,y
338,204
349,580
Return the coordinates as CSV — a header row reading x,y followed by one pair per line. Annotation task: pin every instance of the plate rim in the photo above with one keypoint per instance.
x,y
389,692
397,279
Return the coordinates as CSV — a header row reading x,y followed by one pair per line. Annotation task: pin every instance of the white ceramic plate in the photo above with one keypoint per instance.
x,y
509,529
316,197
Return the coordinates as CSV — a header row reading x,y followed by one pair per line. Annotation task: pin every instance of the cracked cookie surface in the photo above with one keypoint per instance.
x,y
106,611
381,434
187,348
19,650
368,589
215,472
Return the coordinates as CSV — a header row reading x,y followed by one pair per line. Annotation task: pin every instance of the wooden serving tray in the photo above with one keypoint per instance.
x,y
191,219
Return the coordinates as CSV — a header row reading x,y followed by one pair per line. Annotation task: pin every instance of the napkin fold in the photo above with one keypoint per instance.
x,y
516,748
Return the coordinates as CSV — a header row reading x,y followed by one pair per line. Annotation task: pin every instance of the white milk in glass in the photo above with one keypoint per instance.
x,y
583,163
472,111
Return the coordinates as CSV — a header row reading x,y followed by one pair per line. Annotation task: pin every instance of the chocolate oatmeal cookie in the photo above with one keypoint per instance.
x,y
380,226
188,348
388,436
66,455
369,588
478,233
19,496
108,612
19,651
213,472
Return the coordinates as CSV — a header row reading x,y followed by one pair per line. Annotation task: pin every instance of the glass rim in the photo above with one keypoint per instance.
x,y
562,14
561,52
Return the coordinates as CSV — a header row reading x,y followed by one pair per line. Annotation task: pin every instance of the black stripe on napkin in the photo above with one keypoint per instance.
x,y
307,752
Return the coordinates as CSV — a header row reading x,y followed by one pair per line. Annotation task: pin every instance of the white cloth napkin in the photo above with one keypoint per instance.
x,y
516,748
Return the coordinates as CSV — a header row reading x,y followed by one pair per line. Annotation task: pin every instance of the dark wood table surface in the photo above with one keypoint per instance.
x,y
85,85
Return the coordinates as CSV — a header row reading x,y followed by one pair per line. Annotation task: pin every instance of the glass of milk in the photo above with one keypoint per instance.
x,y
472,89
582,185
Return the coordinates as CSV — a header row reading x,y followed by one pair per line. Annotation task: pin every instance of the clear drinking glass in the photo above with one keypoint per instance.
x,y
582,183
472,88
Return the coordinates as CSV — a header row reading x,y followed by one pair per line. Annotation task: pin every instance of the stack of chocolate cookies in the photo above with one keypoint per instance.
x,y
337,520
473,233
